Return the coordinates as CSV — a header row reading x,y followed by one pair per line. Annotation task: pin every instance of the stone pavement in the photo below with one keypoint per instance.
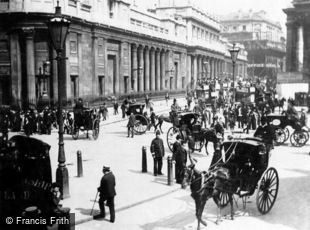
x,y
122,154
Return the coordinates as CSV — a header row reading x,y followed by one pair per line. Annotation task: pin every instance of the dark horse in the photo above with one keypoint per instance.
x,y
210,135
206,185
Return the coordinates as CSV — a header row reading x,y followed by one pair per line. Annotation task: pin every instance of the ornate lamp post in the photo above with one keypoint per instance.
x,y
58,28
234,54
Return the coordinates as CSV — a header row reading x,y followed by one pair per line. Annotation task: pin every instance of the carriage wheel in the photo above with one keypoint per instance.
x,y
75,131
287,133
141,124
280,136
307,135
222,200
267,191
95,129
298,139
171,136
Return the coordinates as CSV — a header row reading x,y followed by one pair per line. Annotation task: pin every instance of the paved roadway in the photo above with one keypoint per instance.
x,y
146,202
176,210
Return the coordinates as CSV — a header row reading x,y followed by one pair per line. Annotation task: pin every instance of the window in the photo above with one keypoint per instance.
x,y
101,85
234,28
244,28
73,47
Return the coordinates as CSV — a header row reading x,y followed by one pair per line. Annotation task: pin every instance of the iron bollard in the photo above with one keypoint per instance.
x,y
79,164
144,160
170,171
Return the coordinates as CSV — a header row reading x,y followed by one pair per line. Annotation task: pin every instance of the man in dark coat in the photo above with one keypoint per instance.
x,y
267,133
158,152
180,157
131,124
107,193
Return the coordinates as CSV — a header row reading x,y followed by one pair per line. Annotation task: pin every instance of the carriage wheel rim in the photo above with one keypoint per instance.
x,y
267,191
171,137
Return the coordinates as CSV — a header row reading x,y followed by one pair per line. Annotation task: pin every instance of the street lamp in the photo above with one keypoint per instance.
x,y
58,29
234,54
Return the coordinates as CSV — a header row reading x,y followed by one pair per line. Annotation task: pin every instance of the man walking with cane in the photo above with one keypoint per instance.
x,y
107,193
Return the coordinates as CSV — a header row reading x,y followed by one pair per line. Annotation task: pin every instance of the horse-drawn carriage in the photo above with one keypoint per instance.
x,y
242,169
142,122
298,138
185,124
85,120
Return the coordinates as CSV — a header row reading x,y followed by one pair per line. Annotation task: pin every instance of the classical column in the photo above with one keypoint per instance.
x,y
134,67
300,47
95,65
31,88
146,69
16,68
157,70
140,70
152,69
290,47
162,69
199,70
189,70
195,68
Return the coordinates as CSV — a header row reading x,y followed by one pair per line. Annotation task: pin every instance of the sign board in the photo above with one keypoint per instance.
x,y
252,89
242,90
225,85
290,77
205,87
214,94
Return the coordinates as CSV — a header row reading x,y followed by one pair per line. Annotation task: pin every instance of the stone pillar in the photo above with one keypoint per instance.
x,y
199,69
300,48
152,69
189,70
162,69
141,71
195,68
290,47
30,67
95,65
134,68
16,78
146,69
157,71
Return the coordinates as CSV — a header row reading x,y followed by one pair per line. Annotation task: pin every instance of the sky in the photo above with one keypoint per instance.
x,y
221,7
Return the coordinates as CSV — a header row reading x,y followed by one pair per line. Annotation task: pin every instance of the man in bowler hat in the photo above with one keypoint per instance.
x,y
107,193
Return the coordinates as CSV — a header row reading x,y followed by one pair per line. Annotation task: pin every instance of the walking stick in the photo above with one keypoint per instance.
x,y
91,212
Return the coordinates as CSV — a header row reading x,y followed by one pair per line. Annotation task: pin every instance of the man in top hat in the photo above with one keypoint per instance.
x,y
107,193
180,157
158,152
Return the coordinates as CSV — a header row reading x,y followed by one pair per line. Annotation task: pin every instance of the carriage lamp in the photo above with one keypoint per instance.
x,y
234,54
58,28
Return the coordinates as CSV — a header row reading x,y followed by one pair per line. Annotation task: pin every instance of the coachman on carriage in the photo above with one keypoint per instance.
x,y
242,170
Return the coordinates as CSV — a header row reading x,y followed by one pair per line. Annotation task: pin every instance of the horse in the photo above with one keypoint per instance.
x,y
210,135
206,185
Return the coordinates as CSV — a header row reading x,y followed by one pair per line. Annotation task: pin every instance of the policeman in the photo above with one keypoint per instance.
x,y
158,152
107,193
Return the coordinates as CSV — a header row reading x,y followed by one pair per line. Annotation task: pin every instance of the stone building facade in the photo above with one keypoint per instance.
x,y
298,45
263,39
113,48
